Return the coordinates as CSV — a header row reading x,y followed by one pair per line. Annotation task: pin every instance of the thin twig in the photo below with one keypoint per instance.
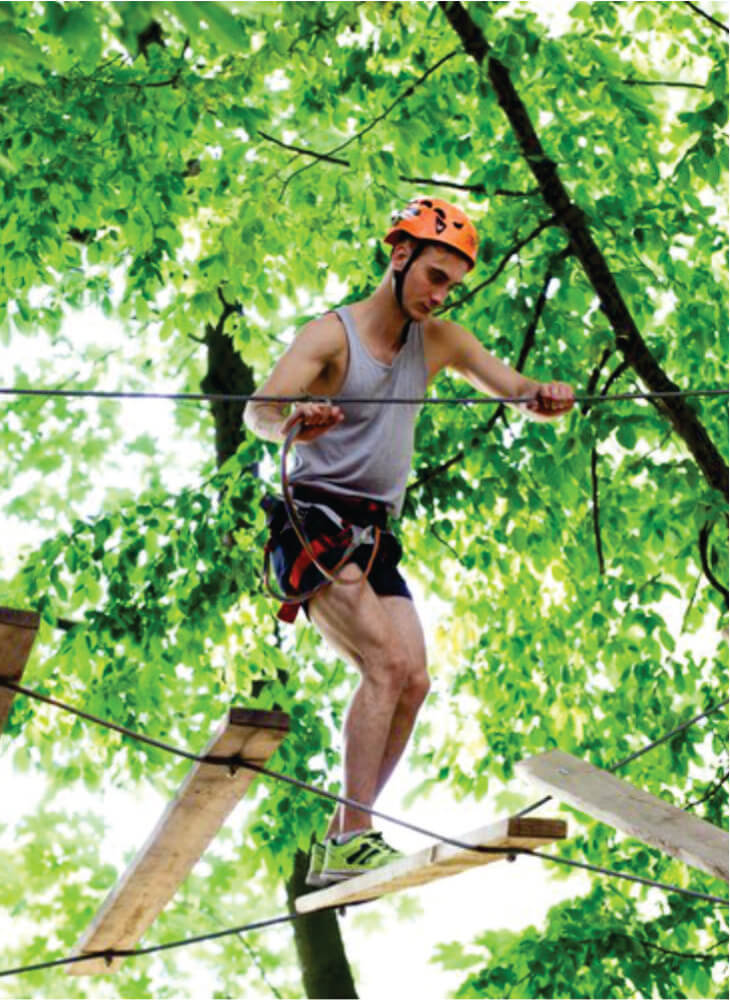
x,y
443,541
698,10
515,248
704,543
325,157
713,790
528,343
340,161
259,965
394,104
661,83
691,603
379,118
697,956
596,511
595,376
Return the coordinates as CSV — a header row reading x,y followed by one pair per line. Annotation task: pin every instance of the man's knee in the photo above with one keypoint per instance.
x,y
404,678
388,668
417,687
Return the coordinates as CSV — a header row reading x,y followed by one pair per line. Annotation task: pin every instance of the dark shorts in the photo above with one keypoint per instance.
x,y
292,568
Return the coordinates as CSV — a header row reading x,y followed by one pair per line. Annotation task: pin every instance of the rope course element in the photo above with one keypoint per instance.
x,y
225,397
235,762
612,768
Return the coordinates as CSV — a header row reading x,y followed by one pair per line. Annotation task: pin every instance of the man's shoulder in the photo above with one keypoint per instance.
x,y
443,331
325,334
446,343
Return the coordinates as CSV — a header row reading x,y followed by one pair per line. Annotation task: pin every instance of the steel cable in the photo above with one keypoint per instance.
x,y
224,397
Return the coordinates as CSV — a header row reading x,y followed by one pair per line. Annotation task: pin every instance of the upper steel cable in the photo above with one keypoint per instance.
x,y
227,397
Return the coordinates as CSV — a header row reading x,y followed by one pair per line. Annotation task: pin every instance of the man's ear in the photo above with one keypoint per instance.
x,y
401,253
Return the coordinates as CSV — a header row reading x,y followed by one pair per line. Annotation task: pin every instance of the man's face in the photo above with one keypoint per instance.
x,y
428,282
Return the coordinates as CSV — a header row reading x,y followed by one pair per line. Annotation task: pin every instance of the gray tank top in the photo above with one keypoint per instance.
x,y
369,453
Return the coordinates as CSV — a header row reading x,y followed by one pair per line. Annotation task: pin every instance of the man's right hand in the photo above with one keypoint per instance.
x,y
316,419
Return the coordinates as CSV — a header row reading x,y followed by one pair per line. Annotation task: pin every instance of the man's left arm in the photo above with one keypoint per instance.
x,y
461,351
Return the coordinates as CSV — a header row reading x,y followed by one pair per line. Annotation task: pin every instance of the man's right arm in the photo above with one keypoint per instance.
x,y
297,373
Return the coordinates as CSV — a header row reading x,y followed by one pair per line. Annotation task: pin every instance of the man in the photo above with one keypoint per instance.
x,y
353,461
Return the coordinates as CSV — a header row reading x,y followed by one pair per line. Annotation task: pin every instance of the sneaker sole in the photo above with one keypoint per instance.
x,y
317,881
340,874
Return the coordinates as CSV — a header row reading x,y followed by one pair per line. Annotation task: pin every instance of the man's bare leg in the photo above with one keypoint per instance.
x,y
382,636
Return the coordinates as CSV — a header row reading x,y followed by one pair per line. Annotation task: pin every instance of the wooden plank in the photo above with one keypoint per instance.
x,y
186,828
18,630
437,861
631,810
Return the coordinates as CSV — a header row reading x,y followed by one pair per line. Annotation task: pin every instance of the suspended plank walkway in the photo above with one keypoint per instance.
x,y
437,862
18,630
186,828
631,810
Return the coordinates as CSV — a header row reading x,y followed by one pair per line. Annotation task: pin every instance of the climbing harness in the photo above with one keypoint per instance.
x,y
352,536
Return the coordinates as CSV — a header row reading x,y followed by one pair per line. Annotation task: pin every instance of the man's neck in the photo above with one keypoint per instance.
x,y
381,318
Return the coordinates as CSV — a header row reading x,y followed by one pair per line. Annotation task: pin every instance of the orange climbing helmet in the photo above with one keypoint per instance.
x,y
435,221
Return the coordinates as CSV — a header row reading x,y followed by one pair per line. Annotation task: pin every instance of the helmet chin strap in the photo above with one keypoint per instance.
x,y
399,277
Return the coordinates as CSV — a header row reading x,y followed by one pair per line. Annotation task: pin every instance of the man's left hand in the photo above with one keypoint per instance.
x,y
552,399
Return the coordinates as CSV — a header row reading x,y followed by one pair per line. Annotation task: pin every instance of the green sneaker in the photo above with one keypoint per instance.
x,y
364,853
316,864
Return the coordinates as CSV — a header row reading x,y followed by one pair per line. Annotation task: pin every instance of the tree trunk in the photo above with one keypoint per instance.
x,y
324,966
628,338
325,969
227,373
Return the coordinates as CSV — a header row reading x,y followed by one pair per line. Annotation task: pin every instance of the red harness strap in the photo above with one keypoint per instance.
x,y
318,546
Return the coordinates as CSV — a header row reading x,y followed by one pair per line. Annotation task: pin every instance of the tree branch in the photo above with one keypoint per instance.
x,y
701,956
595,376
715,787
528,342
596,511
615,374
690,605
443,541
708,17
340,161
323,27
515,248
401,97
704,543
698,956
628,338
325,157
630,82
379,118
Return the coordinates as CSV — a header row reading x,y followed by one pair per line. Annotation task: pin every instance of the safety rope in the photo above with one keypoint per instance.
x,y
225,397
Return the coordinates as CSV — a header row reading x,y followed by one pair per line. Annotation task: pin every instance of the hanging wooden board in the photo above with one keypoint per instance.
x,y
188,825
630,810
18,630
437,861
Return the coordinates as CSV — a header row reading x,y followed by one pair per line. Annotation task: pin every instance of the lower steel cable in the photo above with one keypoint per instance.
x,y
111,953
